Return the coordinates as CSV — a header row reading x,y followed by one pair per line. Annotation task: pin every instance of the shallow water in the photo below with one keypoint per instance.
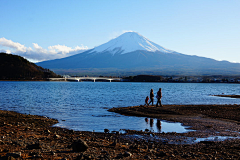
x,y
83,105
214,138
178,139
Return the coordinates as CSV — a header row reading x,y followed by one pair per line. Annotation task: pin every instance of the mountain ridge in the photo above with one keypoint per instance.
x,y
129,59
13,67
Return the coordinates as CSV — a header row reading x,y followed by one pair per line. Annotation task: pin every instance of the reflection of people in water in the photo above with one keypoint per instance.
x,y
159,125
146,120
151,122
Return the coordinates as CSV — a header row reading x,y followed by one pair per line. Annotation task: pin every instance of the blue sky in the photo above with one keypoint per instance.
x,y
42,29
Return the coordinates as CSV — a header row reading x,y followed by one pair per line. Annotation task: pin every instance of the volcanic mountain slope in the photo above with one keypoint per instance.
x,y
133,53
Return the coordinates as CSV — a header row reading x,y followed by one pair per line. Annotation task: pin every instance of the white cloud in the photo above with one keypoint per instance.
x,y
38,49
37,53
14,45
65,49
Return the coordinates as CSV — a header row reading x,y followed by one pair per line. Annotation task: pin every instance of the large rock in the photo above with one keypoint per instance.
x,y
79,146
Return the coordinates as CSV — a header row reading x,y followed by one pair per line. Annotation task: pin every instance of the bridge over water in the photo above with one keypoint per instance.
x,y
79,79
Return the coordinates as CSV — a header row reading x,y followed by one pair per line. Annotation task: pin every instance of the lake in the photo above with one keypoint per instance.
x,y
83,106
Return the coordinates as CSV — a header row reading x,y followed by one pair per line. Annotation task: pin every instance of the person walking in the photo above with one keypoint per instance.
x,y
151,96
159,97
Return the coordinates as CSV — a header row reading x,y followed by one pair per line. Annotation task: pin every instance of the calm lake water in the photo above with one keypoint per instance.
x,y
83,105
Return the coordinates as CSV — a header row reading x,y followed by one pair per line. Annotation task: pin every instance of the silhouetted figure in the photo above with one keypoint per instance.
x,y
159,97
151,96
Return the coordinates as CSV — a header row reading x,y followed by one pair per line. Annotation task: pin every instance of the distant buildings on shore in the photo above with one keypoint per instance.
x,y
183,79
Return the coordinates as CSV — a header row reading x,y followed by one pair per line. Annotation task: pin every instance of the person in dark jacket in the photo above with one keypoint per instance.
x,y
159,97
151,96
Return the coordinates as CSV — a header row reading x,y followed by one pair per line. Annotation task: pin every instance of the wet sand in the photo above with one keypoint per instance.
x,y
29,136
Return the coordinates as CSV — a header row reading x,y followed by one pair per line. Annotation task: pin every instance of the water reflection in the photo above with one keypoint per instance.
x,y
159,125
146,120
156,125
151,124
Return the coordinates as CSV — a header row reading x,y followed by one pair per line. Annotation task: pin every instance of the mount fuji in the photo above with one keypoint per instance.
x,y
131,54
129,42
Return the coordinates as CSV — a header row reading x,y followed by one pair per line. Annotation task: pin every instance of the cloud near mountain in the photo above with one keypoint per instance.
x,y
37,53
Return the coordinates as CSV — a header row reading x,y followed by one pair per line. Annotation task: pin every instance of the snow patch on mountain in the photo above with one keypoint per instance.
x,y
130,42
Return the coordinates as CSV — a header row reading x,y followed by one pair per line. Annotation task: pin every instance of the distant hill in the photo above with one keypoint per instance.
x,y
133,54
13,67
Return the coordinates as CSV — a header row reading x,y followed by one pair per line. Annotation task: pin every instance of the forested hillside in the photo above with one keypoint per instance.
x,y
13,67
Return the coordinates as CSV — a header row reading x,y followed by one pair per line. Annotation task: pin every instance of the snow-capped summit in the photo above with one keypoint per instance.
x,y
129,42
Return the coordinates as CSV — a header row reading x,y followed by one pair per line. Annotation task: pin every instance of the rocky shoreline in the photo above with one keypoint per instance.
x,y
206,120
32,137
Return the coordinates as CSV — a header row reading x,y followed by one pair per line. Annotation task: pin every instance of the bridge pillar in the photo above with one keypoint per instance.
x,y
93,80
